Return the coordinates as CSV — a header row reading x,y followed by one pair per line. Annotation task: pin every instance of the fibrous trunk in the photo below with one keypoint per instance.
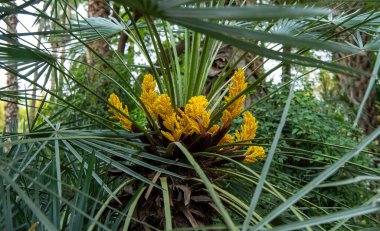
x,y
97,8
11,109
353,88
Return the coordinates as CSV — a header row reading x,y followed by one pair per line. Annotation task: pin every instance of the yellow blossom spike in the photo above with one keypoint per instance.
x,y
236,86
196,111
188,125
169,136
213,129
172,123
163,106
248,129
157,105
194,118
227,139
115,101
253,154
149,94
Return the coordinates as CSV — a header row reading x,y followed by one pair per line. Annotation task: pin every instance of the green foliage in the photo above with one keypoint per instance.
x,y
310,119
312,127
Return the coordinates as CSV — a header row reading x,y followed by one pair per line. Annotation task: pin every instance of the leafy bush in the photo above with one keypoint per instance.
x,y
312,138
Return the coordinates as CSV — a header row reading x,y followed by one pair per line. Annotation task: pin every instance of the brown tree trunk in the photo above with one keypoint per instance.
x,y
97,8
11,109
123,39
353,88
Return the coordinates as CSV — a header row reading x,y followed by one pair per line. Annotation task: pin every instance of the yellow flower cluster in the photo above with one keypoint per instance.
x,y
234,109
194,118
248,129
253,154
196,115
227,139
163,106
185,123
154,103
115,101
173,124
247,133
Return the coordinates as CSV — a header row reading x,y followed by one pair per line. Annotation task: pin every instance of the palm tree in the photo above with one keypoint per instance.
x,y
171,155
11,109
352,88
97,8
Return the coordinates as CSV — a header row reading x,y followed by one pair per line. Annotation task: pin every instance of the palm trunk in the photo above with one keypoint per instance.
x,y
353,88
11,109
97,8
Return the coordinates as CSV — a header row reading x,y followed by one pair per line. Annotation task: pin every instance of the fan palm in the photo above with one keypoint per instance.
x,y
171,159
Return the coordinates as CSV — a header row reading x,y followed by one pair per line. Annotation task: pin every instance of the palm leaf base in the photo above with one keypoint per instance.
x,y
190,203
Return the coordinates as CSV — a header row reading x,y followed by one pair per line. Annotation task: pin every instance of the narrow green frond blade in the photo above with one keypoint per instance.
x,y
243,13
330,218
268,161
36,210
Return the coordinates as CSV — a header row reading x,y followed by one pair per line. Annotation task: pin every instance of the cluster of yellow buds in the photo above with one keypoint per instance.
x,y
193,119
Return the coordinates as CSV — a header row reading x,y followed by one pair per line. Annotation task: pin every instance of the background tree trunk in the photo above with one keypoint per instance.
x,y
97,8
255,70
11,109
353,88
